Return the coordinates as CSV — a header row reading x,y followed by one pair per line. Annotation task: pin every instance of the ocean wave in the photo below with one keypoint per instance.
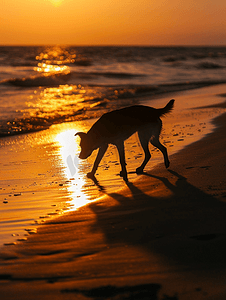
x,y
33,124
62,78
209,65
117,75
38,80
206,54
174,58
150,90
95,75
71,103
15,127
24,63
84,62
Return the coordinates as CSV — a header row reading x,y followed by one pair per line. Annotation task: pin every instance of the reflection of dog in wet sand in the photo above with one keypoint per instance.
x,y
117,126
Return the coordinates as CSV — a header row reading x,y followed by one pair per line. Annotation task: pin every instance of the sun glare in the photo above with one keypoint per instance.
x,y
69,149
51,69
56,3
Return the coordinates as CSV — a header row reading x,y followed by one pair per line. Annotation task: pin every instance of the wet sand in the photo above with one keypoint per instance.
x,y
161,236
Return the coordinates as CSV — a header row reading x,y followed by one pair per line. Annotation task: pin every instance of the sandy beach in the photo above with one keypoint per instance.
x,y
161,236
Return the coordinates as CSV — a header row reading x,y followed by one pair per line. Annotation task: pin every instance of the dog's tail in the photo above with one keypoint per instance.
x,y
165,110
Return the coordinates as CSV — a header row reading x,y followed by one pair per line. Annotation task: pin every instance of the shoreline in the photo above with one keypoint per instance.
x,y
164,233
133,93
181,128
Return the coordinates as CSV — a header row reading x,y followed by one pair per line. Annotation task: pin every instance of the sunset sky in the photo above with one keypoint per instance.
x,y
113,22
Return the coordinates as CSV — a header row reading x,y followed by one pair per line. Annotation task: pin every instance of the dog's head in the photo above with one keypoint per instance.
x,y
86,145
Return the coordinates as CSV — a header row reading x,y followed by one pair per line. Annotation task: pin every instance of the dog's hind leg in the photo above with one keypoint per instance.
x,y
121,151
144,140
156,143
100,155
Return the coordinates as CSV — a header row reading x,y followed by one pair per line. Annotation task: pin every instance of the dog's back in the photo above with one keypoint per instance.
x,y
126,121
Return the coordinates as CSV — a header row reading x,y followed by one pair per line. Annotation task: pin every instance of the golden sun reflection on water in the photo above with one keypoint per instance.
x,y
49,68
69,150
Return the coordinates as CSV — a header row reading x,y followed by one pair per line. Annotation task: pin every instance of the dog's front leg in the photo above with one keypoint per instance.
x,y
121,151
100,154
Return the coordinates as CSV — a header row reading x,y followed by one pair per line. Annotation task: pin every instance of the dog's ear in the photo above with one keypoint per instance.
x,y
81,134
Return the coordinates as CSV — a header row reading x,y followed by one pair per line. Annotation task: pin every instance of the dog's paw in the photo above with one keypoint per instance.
x,y
139,170
124,176
167,164
90,175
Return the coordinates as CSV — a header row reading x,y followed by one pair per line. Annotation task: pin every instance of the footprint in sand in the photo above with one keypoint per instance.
x,y
205,167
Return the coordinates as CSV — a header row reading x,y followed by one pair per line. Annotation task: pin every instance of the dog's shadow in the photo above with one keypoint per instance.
x,y
103,189
184,211
96,182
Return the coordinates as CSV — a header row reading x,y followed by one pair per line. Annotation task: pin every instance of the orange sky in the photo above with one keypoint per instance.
x,y
113,22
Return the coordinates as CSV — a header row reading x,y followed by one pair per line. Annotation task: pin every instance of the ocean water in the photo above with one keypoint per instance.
x,y
41,86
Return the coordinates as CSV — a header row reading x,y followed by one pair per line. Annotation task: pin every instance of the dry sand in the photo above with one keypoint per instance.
x,y
163,236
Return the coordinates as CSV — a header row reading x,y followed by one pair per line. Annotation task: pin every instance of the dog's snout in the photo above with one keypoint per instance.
x,y
82,156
